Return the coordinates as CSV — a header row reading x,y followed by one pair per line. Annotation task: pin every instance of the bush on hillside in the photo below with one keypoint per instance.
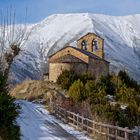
x,y
106,83
129,82
85,77
66,78
77,91
89,88
126,95
8,113
124,89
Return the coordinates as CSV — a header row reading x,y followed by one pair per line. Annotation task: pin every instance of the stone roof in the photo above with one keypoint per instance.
x,y
91,55
88,34
67,59
87,53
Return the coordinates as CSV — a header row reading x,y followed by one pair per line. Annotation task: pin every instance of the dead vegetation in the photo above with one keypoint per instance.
x,y
33,89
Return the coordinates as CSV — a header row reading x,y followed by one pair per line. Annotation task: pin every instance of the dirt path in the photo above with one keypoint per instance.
x,y
36,124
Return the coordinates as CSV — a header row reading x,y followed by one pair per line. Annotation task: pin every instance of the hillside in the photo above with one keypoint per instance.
x,y
121,34
34,89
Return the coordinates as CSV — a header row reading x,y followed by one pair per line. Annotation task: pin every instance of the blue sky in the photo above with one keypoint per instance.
x,y
40,9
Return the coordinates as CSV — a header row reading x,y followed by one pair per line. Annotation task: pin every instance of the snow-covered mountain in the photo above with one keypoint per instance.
x,y
121,35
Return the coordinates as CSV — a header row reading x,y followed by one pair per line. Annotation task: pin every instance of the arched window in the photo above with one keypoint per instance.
x,y
84,45
94,45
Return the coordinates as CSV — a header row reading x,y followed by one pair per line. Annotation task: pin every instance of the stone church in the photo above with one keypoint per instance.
x,y
88,56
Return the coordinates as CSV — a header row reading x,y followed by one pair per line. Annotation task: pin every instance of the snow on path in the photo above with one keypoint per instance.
x,y
37,124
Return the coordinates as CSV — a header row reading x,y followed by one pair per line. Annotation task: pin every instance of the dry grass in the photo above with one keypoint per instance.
x,y
29,89
33,89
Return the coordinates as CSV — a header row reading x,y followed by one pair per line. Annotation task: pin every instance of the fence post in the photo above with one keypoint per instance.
x,y
116,132
82,123
126,135
72,118
65,115
53,107
108,137
77,121
100,130
93,130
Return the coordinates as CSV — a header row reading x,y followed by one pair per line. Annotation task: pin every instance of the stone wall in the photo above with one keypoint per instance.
x,y
89,38
98,67
55,69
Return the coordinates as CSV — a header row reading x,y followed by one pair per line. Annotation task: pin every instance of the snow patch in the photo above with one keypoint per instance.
x,y
37,124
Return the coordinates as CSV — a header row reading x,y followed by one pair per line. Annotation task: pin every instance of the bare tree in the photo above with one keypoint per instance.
x,y
43,58
12,37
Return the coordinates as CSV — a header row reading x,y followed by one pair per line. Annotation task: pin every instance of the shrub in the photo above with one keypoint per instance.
x,y
126,95
106,83
98,98
8,113
77,91
66,78
129,82
133,114
89,88
124,89
86,77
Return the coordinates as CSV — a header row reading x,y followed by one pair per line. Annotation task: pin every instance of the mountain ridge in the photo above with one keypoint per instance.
x,y
121,35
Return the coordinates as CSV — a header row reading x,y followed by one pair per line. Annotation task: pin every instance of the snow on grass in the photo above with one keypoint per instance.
x,y
37,124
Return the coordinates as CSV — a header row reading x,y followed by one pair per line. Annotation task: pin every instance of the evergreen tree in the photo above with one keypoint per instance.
x,y
89,88
66,78
106,83
85,77
8,113
77,91
129,82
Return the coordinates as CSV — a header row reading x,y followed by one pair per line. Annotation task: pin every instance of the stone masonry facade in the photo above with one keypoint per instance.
x,y
89,39
81,59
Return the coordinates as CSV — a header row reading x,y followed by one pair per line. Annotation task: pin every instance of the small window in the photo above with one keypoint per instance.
x,y
84,45
94,45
